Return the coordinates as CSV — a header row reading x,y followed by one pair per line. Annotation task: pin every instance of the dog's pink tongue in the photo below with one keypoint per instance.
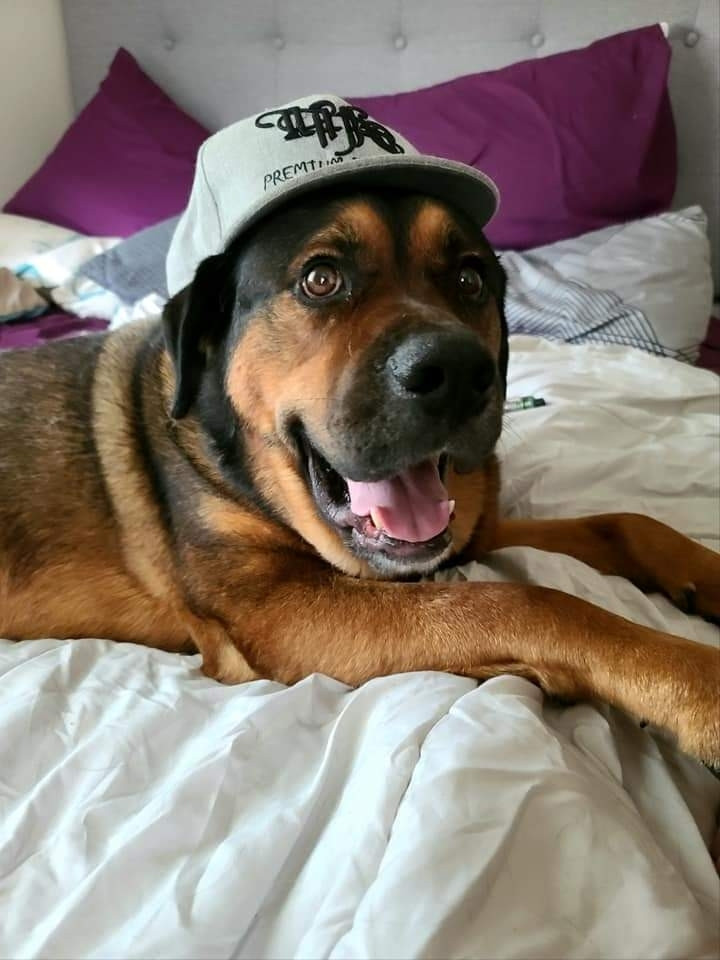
x,y
412,506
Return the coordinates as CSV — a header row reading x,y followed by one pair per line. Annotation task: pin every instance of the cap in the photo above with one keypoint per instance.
x,y
252,167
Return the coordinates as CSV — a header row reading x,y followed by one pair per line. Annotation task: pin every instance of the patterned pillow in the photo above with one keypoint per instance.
x,y
645,284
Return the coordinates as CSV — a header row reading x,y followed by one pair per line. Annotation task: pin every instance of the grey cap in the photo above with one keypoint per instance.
x,y
246,170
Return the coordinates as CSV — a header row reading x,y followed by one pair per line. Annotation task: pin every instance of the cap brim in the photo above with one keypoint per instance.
x,y
455,183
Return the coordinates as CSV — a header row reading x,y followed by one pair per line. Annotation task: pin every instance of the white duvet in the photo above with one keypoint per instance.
x,y
146,811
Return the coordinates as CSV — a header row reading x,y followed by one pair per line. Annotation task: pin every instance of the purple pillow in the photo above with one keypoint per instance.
x,y
575,141
125,163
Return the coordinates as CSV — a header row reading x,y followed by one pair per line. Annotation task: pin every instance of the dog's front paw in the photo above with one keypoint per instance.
x,y
692,580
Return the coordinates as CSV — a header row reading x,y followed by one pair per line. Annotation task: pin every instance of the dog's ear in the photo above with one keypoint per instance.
x,y
194,322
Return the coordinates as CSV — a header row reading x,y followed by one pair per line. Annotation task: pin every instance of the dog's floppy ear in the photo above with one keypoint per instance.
x,y
194,321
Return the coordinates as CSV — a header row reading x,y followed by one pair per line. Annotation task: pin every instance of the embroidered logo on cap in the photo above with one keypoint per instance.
x,y
326,121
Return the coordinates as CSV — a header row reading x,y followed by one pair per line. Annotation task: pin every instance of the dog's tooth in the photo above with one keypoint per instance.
x,y
376,518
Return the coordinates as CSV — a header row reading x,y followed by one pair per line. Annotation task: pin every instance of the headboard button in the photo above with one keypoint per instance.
x,y
279,42
691,38
400,42
537,40
169,43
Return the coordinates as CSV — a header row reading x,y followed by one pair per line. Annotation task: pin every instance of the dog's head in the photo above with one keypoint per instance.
x,y
346,360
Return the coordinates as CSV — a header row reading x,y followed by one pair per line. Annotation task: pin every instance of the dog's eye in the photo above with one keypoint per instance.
x,y
321,280
469,281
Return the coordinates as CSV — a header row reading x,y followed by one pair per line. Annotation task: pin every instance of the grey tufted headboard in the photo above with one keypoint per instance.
x,y
224,59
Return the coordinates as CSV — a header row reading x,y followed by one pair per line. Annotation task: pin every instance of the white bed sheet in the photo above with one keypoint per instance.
x,y
146,811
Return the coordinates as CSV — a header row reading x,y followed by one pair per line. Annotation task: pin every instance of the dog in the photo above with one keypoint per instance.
x,y
265,474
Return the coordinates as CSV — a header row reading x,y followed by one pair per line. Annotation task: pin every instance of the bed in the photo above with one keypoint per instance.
x,y
147,811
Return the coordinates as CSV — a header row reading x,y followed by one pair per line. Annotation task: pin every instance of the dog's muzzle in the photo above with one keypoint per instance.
x,y
420,400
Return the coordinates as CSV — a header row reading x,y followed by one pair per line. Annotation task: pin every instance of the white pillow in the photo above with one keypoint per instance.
x,y
644,284
21,239
59,264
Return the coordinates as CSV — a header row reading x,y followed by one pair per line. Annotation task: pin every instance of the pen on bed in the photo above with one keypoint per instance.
x,y
523,403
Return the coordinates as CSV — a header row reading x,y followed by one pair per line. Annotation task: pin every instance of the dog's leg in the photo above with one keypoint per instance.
x,y
650,554
357,629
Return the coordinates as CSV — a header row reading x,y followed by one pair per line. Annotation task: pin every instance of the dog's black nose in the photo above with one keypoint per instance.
x,y
442,371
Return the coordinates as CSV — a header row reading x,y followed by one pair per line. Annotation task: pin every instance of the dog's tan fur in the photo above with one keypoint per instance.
x,y
85,551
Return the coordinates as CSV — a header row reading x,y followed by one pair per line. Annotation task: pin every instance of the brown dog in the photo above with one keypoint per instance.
x,y
314,428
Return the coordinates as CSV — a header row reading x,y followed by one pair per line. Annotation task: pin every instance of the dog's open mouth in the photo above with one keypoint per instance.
x,y
404,516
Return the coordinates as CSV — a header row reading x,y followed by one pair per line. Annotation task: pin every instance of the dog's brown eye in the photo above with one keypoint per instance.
x,y
322,280
470,281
